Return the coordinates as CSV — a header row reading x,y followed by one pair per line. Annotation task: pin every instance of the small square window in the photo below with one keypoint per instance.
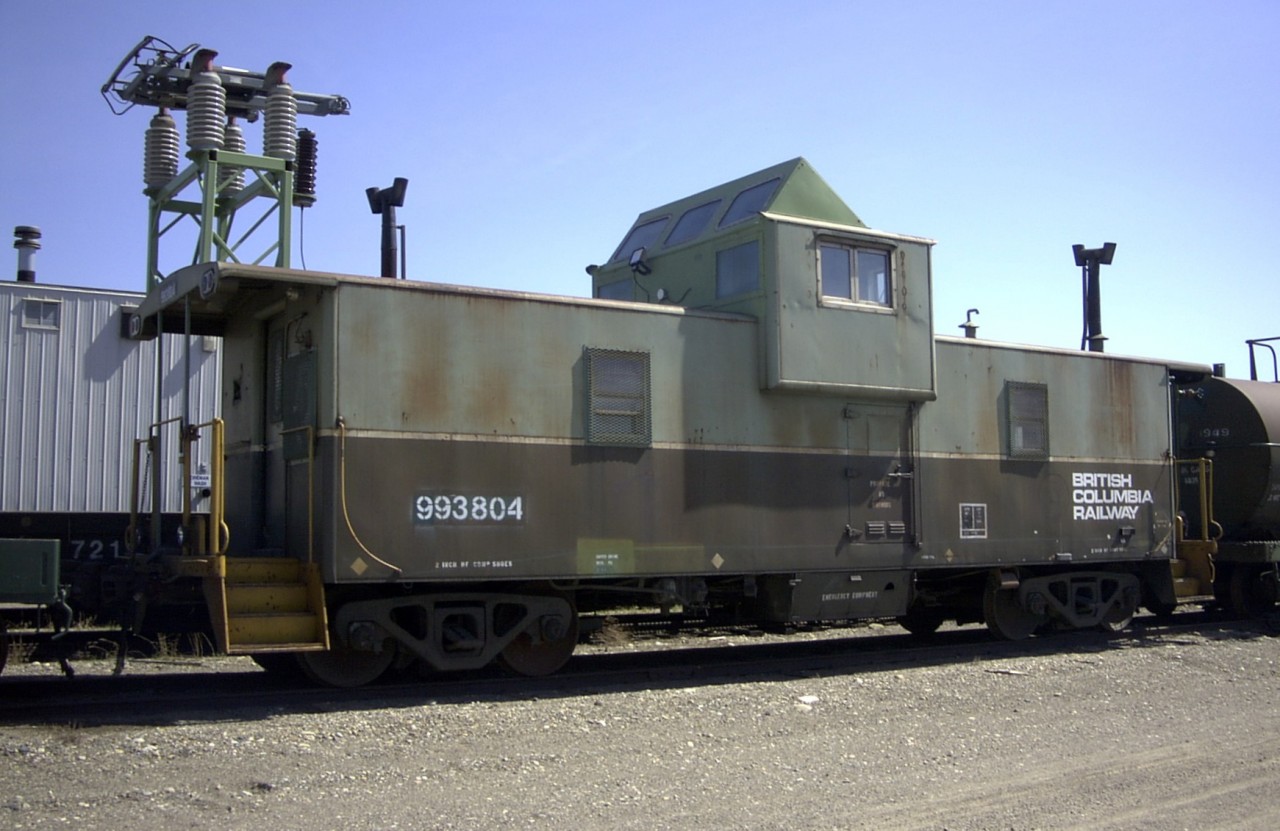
x,y
1028,414
618,405
858,274
41,314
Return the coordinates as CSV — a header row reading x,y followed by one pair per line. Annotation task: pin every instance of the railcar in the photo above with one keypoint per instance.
x,y
751,418
1231,429
75,395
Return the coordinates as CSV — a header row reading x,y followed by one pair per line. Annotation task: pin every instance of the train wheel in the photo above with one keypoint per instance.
x,y
342,666
4,645
525,656
1121,613
1005,616
1252,591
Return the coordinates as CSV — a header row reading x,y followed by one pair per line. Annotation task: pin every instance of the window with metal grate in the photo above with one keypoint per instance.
x,y
618,403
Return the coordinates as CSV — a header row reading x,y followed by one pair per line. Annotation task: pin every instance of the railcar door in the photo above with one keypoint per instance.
x,y
289,417
881,476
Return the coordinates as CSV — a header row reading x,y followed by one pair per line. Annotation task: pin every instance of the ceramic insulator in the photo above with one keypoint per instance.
x,y
161,151
206,112
280,124
231,179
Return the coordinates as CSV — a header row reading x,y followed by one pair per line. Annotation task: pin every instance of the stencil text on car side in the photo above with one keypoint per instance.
x,y
467,509
1106,496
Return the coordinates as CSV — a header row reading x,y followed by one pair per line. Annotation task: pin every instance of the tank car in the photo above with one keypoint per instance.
x,y
1234,426
751,418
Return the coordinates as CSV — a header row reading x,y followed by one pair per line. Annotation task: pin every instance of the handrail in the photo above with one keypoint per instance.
x,y
1204,481
135,497
1265,343
131,532
217,536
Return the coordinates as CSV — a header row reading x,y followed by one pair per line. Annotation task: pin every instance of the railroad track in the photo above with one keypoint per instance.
x,y
196,691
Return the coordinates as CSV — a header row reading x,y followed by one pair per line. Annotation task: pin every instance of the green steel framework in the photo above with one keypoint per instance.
x,y
216,213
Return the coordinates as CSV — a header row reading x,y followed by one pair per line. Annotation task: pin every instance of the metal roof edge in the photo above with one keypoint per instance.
x,y
852,229
1177,366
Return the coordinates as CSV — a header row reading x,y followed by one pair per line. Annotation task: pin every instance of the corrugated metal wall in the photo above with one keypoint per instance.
x,y
74,395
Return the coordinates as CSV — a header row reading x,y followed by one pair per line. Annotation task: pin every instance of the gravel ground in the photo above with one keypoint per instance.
x,y
1164,731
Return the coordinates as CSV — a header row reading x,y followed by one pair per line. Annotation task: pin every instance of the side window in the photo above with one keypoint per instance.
x,y
692,223
41,314
854,273
749,202
641,236
618,402
1028,416
617,290
738,269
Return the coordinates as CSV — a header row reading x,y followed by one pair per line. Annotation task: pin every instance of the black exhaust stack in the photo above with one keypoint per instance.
x,y
1091,261
385,202
27,245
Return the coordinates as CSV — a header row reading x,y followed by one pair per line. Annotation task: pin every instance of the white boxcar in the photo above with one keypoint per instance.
x,y
74,395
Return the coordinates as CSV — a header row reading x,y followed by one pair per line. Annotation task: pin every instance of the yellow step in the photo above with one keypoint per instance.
x,y
268,648
264,598
1186,586
266,604
263,570
258,629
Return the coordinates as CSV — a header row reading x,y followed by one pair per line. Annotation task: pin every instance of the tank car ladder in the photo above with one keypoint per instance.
x,y
1193,568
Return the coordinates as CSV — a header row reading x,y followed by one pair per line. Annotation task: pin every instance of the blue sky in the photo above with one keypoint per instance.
x,y
532,134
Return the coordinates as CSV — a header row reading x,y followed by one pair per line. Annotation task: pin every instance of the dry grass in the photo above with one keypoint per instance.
x,y
611,633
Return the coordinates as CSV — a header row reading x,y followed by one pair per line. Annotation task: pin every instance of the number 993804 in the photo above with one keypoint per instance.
x,y
460,508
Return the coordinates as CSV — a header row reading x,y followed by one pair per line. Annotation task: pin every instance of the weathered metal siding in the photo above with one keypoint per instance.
x,y
1103,492
465,399
1100,406
865,352
416,360
482,394
74,397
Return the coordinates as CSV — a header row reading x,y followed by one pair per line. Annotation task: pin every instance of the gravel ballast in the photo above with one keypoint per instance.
x,y
1170,730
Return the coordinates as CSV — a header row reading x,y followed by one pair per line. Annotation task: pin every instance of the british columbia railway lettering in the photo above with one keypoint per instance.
x,y
1104,496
